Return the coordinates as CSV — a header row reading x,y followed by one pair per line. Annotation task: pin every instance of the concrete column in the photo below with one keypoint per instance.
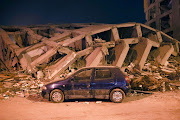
x,y
165,53
159,36
143,48
88,40
62,65
25,61
139,32
114,34
37,52
44,57
71,41
50,43
7,40
157,19
56,69
1,48
121,51
95,57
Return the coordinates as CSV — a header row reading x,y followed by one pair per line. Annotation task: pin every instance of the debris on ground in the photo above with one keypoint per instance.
x,y
86,103
98,102
156,78
19,85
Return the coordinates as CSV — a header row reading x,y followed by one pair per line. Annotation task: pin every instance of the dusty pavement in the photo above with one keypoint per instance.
x,y
159,106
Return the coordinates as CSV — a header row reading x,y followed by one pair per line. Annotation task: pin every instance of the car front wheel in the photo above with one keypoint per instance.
x,y
117,95
57,96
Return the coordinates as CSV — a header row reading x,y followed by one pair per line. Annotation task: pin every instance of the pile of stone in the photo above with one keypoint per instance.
x,y
155,77
21,85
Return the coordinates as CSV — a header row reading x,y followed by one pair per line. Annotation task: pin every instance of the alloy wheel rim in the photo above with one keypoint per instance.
x,y
117,96
56,96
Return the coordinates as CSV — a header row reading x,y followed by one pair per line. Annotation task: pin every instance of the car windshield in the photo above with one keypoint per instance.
x,y
71,74
81,72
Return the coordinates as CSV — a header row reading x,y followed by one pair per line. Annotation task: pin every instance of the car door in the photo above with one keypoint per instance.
x,y
81,84
102,83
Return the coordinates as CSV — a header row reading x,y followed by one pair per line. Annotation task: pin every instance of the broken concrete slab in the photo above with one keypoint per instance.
x,y
165,53
62,65
38,51
121,51
114,34
94,58
143,48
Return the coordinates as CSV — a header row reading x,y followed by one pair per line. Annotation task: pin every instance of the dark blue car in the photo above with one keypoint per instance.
x,y
105,82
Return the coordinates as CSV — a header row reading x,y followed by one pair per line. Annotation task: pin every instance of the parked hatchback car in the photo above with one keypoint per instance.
x,y
105,82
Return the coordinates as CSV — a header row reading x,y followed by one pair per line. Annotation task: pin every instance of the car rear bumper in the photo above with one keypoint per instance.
x,y
128,90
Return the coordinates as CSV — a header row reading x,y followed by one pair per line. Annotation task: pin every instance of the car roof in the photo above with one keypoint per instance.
x,y
99,67
92,67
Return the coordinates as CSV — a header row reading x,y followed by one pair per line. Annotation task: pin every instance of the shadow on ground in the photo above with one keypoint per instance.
x,y
131,97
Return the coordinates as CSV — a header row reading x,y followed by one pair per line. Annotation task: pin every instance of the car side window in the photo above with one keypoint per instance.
x,y
103,74
84,75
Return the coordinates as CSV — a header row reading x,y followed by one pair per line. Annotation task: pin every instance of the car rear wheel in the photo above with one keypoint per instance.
x,y
57,96
117,95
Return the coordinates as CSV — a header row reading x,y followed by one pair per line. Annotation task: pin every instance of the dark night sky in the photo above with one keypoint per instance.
x,y
28,12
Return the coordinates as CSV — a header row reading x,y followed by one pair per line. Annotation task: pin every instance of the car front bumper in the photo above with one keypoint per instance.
x,y
45,94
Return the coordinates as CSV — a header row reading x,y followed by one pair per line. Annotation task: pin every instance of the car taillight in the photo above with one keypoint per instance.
x,y
127,79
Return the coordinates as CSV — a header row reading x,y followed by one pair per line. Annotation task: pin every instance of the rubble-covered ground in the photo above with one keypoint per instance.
x,y
19,84
155,77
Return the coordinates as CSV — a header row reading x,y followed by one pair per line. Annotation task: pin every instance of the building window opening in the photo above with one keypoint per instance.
x,y
152,13
127,32
153,25
166,22
103,36
147,33
151,1
165,6
170,33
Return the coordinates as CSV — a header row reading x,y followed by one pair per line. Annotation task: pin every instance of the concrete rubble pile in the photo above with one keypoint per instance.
x,y
19,84
155,77
47,52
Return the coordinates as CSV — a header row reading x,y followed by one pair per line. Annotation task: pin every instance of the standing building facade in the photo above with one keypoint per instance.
x,y
163,15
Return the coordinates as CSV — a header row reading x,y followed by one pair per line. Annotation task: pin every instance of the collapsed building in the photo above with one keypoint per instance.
x,y
163,15
54,49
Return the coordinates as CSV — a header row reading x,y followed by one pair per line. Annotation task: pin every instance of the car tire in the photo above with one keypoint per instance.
x,y
57,96
117,95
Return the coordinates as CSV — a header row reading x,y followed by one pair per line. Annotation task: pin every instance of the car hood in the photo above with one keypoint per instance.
x,y
55,81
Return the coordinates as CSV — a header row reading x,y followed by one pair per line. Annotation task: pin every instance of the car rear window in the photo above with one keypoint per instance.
x,y
119,73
